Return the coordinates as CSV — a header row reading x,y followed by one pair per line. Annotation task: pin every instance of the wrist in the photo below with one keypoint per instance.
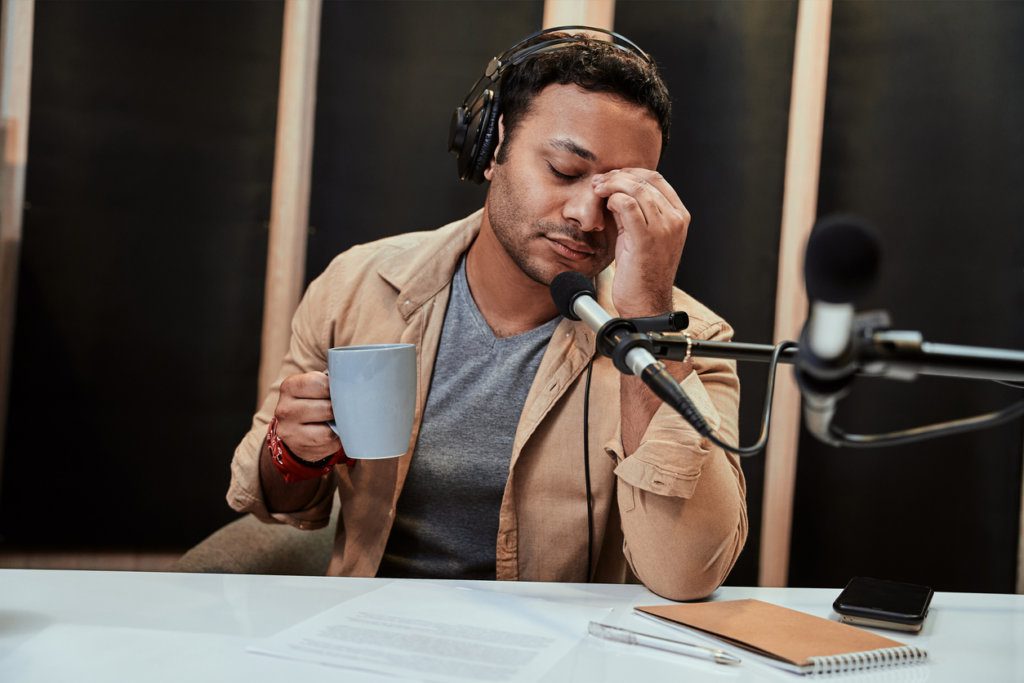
x,y
645,309
294,468
642,300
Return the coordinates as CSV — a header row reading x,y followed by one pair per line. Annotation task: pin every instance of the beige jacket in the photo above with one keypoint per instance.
x,y
673,513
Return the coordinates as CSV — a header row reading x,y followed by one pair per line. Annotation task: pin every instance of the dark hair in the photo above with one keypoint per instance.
x,y
591,64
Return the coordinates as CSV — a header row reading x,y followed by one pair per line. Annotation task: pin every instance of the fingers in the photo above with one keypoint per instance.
x,y
644,176
309,441
652,225
302,409
658,181
307,385
626,210
653,195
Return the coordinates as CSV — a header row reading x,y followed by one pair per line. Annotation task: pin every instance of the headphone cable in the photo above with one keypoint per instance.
x,y
586,469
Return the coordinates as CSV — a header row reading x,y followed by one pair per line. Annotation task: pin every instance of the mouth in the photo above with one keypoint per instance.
x,y
574,251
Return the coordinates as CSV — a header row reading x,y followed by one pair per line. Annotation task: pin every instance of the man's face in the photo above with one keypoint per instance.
x,y
541,204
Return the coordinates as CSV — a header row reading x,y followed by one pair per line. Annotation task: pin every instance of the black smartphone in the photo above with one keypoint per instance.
x,y
883,604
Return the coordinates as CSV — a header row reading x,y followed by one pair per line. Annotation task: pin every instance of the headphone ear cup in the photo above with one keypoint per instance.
x,y
461,137
488,139
457,130
465,133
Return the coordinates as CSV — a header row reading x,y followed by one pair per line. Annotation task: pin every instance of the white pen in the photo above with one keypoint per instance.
x,y
621,635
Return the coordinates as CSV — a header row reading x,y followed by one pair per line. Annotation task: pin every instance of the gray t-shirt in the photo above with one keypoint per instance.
x,y
446,524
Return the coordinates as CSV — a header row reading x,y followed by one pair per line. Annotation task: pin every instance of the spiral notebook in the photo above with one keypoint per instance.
x,y
788,639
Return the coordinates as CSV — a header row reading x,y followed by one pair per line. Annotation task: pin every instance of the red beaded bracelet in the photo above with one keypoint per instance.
x,y
294,469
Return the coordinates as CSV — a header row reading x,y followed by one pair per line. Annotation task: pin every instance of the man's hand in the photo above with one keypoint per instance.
x,y
303,408
652,223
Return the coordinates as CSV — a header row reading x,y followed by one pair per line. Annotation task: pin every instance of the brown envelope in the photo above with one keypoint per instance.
x,y
772,630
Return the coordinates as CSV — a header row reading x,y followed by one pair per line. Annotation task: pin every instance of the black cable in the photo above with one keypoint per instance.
x,y
586,468
675,397
762,440
967,424
841,438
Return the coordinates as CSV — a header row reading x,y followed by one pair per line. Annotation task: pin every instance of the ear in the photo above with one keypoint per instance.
x,y
489,171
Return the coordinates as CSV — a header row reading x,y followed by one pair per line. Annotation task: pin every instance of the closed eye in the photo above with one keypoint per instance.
x,y
561,176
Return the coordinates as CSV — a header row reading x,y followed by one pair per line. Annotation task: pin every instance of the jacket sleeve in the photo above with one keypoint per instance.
x,y
311,336
682,500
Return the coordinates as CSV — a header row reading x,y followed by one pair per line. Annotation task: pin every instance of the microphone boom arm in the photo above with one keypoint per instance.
x,y
886,353
890,354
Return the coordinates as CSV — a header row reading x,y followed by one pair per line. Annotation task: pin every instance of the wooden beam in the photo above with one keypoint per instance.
x,y
596,13
293,167
799,208
15,91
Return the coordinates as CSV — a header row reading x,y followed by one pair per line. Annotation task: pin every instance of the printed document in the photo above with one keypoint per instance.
x,y
433,632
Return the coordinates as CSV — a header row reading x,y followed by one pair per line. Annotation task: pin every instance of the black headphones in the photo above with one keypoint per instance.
x,y
473,133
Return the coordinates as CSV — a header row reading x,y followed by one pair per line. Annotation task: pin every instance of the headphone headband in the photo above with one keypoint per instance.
x,y
624,44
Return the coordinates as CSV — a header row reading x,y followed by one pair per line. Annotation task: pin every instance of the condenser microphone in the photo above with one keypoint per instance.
x,y
841,265
575,297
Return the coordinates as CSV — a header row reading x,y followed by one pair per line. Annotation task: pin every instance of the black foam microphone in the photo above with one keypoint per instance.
x,y
574,295
566,290
841,265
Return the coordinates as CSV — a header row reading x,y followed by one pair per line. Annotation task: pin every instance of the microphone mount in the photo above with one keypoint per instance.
x,y
618,336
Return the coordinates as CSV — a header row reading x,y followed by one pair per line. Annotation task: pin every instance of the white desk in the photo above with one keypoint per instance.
x,y
180,628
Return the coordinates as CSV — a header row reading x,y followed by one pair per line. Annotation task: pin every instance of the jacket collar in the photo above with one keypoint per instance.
x,y
420,268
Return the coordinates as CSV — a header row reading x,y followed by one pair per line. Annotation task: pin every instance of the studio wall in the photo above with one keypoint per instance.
x,y
923,138
141,278
148,195
390,76
728,66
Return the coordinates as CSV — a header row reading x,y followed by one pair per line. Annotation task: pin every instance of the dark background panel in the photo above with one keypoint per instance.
x,y
148,192
923,137
728,66
391,73
141,278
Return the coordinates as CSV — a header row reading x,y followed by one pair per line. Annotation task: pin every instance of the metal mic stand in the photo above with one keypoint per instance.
x,y
617,336
894,354
876,351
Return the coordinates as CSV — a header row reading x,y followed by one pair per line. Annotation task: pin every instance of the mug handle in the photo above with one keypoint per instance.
x,y
331,423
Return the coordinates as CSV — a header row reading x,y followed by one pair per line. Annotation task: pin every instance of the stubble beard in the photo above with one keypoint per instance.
x,y
506,215
507,218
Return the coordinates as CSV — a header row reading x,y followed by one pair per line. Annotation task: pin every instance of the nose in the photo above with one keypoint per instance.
x,y
584,208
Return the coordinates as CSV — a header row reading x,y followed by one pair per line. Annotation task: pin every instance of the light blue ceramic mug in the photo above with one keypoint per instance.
x,y
373,394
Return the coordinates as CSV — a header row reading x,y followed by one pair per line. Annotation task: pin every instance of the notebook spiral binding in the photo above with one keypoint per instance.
x,y
866,661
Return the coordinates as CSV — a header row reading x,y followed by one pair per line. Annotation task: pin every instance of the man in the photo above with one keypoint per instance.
x,y
496,483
